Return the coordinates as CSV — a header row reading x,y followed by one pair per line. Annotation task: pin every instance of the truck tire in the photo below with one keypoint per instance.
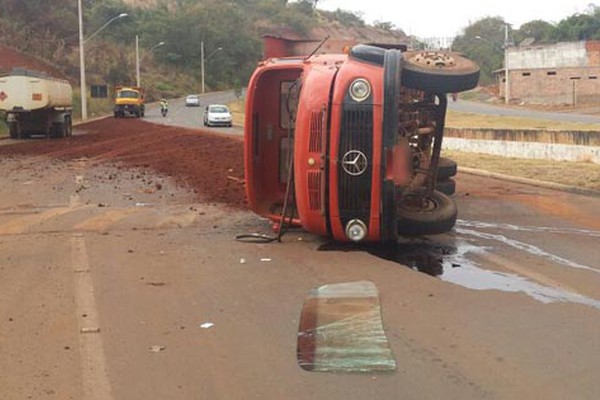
x,y
68,126
438,216
446,168
13,130
446,186
57,130
439,72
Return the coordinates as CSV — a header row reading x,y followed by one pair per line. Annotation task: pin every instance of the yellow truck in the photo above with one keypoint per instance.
x,y
129,100
35,103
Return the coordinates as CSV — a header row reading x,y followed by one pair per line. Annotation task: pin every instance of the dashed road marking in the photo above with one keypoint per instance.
x,y
95,381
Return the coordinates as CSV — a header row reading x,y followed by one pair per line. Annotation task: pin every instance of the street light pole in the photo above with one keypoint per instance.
x,y
82,65
202,60
82,41
505,52
137,58
506,83
202,63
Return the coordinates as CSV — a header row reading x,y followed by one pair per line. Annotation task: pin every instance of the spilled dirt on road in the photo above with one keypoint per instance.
x,y
208,163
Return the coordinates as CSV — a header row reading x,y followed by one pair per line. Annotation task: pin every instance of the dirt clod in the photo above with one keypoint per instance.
x,y
193,157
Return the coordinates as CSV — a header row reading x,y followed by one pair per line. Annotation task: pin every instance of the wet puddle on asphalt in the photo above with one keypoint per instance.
x,y
453,263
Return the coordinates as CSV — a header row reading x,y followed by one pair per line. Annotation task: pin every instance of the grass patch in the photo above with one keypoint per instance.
x,y
3,126
238,111
456,119
581,174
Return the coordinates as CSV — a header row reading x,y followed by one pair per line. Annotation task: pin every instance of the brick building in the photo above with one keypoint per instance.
x,y
562,73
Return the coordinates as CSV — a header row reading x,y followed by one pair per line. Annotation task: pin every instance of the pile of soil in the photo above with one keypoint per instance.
x,y
10,59
211,164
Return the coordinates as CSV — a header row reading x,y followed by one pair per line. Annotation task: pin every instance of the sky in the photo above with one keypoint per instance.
x,y
445,18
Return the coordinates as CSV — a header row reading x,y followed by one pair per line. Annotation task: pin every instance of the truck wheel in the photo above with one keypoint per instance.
x,y
446,186
68,126
57,130
439,72
435,214
446,168
13,130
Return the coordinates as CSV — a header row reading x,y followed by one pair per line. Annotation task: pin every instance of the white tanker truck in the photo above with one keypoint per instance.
x,y
35,103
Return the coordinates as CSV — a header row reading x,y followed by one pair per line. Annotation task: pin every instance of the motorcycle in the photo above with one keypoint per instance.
x,y
163,110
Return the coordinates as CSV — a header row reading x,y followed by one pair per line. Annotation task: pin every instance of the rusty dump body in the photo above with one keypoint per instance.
x,y
348,146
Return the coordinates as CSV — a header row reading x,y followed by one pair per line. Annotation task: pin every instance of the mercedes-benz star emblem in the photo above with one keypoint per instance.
x,y
354,162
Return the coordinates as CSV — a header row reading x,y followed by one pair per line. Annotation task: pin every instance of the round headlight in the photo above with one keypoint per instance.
x,y
360,90
356,230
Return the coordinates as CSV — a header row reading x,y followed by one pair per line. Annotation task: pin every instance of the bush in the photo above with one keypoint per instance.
x,y
3,126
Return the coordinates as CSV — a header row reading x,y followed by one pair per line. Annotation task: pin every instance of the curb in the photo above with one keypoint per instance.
x,y
80,122
75,123
529,181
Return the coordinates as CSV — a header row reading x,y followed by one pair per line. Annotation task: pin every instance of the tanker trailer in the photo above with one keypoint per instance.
x,y
35,103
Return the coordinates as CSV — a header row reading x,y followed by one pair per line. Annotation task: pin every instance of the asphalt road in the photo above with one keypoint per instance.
x,y
109,287
490,109
192,117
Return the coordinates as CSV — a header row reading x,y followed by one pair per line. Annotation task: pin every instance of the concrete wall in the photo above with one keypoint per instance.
x,y
537,144
544,151
560,55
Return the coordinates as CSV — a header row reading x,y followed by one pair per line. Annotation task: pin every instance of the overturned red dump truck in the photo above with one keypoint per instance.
x,y
348,145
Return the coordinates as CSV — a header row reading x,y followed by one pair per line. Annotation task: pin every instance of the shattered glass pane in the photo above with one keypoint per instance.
x,y
341,330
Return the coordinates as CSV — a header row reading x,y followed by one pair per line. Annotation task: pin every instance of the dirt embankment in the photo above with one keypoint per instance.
x,y
210,164
10,59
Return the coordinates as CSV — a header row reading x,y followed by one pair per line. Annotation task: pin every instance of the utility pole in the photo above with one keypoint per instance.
x,y
137,60
506,82
82,65
202,63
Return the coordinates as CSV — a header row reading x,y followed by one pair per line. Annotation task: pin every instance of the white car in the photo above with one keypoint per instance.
x,y
217,115
193,100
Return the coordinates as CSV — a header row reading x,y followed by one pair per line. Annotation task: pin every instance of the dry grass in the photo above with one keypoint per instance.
x,y
581,174
467,120
238,110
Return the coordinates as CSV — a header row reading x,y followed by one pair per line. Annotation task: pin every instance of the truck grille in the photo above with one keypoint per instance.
x,y
354,190
314,190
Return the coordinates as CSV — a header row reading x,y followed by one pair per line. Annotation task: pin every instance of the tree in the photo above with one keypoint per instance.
x,y
540,31
483,42
385,25
578,27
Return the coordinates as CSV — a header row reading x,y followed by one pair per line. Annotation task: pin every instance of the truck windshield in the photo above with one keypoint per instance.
x,y
127,94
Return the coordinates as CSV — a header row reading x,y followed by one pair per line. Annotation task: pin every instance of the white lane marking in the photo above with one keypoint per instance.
x,y
74,198
529,248
473,276
525,228
94,373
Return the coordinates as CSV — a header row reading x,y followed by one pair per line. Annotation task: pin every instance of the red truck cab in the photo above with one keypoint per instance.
x,y
348,146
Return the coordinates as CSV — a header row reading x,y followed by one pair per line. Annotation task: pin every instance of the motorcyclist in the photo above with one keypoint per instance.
x,y
164,106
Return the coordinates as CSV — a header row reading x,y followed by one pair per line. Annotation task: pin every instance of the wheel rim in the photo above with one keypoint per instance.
x,y
419,204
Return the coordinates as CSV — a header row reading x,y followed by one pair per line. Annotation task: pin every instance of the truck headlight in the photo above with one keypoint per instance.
x,y
356,230
360,90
